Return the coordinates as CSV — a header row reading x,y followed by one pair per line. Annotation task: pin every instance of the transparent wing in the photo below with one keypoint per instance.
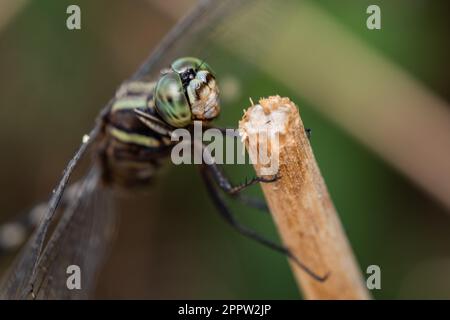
x,y
193,35
82,240
16,279
77,247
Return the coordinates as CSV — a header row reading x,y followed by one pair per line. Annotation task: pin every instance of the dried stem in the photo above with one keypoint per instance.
x,y
300,203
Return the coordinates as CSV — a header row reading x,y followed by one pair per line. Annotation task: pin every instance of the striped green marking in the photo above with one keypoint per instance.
x,y
138,87
129,103
138,139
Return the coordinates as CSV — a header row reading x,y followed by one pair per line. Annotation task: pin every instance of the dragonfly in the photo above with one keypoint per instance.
x,y
130,139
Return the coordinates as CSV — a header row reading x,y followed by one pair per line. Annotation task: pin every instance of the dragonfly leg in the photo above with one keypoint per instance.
x,y
253,202
234,190
226,213
153,123
226,185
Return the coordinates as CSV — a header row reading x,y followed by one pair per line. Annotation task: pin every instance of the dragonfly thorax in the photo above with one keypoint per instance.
x,y
144,113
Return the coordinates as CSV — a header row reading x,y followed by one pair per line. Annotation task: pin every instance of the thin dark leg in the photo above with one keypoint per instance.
x,y
231,220
226,185
153,123
223,181
257,203
234,190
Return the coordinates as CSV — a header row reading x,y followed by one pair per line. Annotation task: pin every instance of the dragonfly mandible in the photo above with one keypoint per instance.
x,y
132,135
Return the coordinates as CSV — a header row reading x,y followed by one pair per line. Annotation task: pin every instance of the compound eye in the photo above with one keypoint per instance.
x,y
171,102
186,63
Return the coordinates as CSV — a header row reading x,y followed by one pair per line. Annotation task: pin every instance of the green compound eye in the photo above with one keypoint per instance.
x,y
171,103
182,64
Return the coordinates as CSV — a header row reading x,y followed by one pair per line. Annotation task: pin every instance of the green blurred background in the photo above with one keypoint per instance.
x,y
171,242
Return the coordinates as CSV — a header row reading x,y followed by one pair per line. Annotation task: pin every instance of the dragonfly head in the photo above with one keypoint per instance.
x,y
187,92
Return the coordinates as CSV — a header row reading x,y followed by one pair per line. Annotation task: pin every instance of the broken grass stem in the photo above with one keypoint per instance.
x,y
299,202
